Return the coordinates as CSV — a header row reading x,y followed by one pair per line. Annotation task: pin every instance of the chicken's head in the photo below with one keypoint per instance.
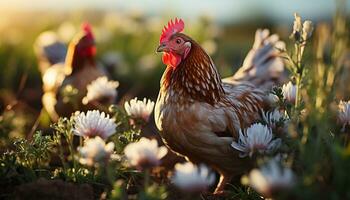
x,y
174,44
85,44
81,49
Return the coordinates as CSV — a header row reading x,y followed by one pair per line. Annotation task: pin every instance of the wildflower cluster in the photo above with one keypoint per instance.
x,y
266,139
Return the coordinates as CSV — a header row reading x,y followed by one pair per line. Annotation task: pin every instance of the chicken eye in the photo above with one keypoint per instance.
x,y
178,41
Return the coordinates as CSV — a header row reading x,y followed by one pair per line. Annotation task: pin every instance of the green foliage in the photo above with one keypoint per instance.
x,y
154,192
12,173
118,192
28,161
128,129
244,193
12,125
35,153
320,159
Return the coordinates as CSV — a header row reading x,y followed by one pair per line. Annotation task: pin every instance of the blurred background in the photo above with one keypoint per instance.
x,y
127,34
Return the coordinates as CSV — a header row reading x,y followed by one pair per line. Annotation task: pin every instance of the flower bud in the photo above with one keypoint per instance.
x,y
307,29
297,27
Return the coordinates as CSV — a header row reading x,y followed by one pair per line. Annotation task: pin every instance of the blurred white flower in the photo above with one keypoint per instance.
x,y
101,88
145,153
95,151
289,92
307,29
274,118
139,109
270,178
344,113
94,123
257,138
191,178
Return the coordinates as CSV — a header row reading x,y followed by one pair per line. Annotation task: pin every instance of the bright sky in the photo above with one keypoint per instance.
x,y
279,10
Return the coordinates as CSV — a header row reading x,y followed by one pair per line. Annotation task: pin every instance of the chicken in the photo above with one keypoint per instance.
x,y
198,114
51,53
49,50
79,70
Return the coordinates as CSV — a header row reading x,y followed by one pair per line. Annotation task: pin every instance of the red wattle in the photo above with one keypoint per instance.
x,y
171,59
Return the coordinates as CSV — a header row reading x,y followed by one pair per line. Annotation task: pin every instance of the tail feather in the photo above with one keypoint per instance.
x,y
263,65
49,50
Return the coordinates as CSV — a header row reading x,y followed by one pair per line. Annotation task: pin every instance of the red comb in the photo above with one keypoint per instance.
x,y
173,27
86,27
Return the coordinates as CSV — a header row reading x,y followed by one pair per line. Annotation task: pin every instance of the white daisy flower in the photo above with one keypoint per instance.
x,y
191,178
289,92
145,153
274,118
94,123
101,89
95,151
344,113
271,178
139,109
257,138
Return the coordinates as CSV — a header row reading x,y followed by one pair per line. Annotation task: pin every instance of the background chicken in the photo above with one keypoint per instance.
x,y
51,54
65,83
197,113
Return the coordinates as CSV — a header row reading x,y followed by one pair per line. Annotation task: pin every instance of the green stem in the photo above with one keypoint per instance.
x,y
61,155
298,76
109,173
69,138
147,178
298,88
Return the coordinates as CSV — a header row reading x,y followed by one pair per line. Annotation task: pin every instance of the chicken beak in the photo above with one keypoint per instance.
x,y
162,47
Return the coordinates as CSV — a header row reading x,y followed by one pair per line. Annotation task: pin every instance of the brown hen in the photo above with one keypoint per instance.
x,y
198,114
78,70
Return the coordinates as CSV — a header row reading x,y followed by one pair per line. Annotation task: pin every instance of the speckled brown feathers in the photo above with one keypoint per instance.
x,y
196,77
195,107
